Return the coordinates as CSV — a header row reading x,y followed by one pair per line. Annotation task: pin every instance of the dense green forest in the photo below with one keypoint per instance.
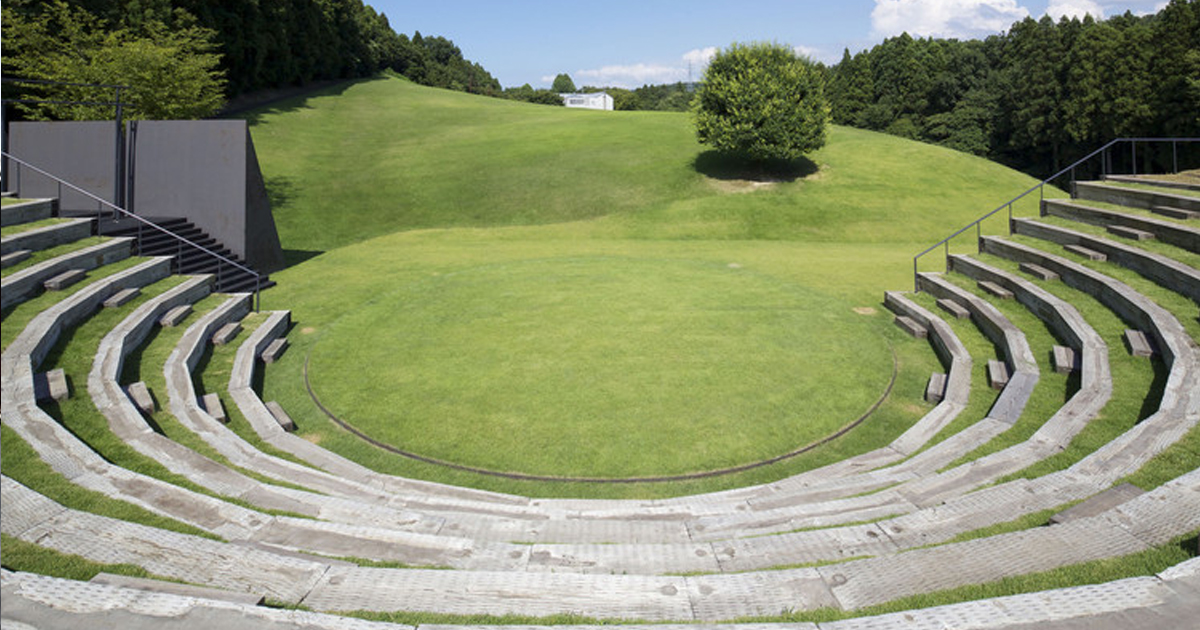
x,y
1037,97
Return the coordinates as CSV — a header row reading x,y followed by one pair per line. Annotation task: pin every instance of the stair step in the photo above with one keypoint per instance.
x,y
954,308
1090,254
175,315
14,257
226,333
1139,344
997,374
995,289
275,349
51,385
281,416
64,279
140,395
120,298
1175,213
1038,271
1130,233
910,326
212,405
174,588
1066,360
935,390
1100,503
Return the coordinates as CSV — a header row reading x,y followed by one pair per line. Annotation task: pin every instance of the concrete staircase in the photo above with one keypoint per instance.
x,y
281,514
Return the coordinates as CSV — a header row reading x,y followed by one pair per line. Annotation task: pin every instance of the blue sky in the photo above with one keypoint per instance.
x,y
628,43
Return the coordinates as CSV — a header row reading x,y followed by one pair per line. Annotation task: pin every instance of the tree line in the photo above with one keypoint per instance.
x,y
194,54
1038,97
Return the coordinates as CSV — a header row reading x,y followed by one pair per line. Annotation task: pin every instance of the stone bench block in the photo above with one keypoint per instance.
x,y
954,308
1175,213
274,350
1066,360
997,374
175,588
1087,253
122,297
1130,233
995,289
51,385
1098,504
176,315
1038,271
910,326
142,398
281,416
64,279
226,333
1139,344
935,390
12,258
212,405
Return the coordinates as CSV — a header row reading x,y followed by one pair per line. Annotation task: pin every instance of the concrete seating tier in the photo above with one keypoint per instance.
x,y
1145,198
26,211
48,236
1176,234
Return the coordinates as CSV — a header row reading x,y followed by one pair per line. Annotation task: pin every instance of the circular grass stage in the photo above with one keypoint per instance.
x,y
600,367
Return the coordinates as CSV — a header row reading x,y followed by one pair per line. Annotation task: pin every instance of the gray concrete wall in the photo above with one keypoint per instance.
x,y
83,153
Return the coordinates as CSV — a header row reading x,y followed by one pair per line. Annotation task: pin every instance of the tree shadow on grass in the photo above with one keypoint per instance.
x,y
280,191
254,106
734,166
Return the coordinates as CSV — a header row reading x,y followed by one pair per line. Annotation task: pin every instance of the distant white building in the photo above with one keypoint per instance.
x,y
593,100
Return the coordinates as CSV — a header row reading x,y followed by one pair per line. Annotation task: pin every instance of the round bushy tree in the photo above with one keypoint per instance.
x,y
762,101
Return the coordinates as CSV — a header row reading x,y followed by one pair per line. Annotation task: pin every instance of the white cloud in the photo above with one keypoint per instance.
x,y
700,57
636,75
945,18
1074,8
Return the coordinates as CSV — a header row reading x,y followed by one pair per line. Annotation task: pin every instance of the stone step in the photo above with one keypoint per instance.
x,y
935,390
226,333
51,385
175,588
1066,360
1139,343
1111,498
1038,271
140,395
14,257
212,405
954,308
995,289
274,350
1087,253
281,416
997,374
910,326
64,279
1130,233
176,315
1175,213
122,297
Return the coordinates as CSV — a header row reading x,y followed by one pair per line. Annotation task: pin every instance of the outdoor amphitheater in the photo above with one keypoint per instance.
x,y
1010,440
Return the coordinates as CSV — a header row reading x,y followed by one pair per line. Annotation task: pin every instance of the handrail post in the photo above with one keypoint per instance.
x,y
1010,218
1174,157
1133,157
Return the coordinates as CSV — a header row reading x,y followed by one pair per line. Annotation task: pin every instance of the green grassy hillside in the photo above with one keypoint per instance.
x,y
465,263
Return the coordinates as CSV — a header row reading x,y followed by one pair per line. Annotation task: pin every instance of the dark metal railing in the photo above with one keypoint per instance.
x,y
1105,169
118,212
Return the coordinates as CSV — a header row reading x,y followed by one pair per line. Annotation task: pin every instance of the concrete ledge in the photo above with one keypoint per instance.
x,y
1066,360
1038,271
935,390
1138,343
281,416
997,374
226,333
910,326
122,297
274,350
14,257
176,315
995,289
175,588
1089,254
1103,502
47,237
954,308
64,279
1130,233
140,395
26,212
212,405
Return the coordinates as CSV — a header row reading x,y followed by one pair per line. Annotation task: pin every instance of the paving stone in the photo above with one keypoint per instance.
x,y
997,374
1086,252
954,308
281,416
935,390
214,408
122,297
995,289
1100,503
274,350
1139,343
226,333
141,397
1038,271
14,257
65,279
910,326
1130,233
176,315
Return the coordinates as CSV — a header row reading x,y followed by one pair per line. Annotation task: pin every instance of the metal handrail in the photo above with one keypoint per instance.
x,y
1040,187
122,212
